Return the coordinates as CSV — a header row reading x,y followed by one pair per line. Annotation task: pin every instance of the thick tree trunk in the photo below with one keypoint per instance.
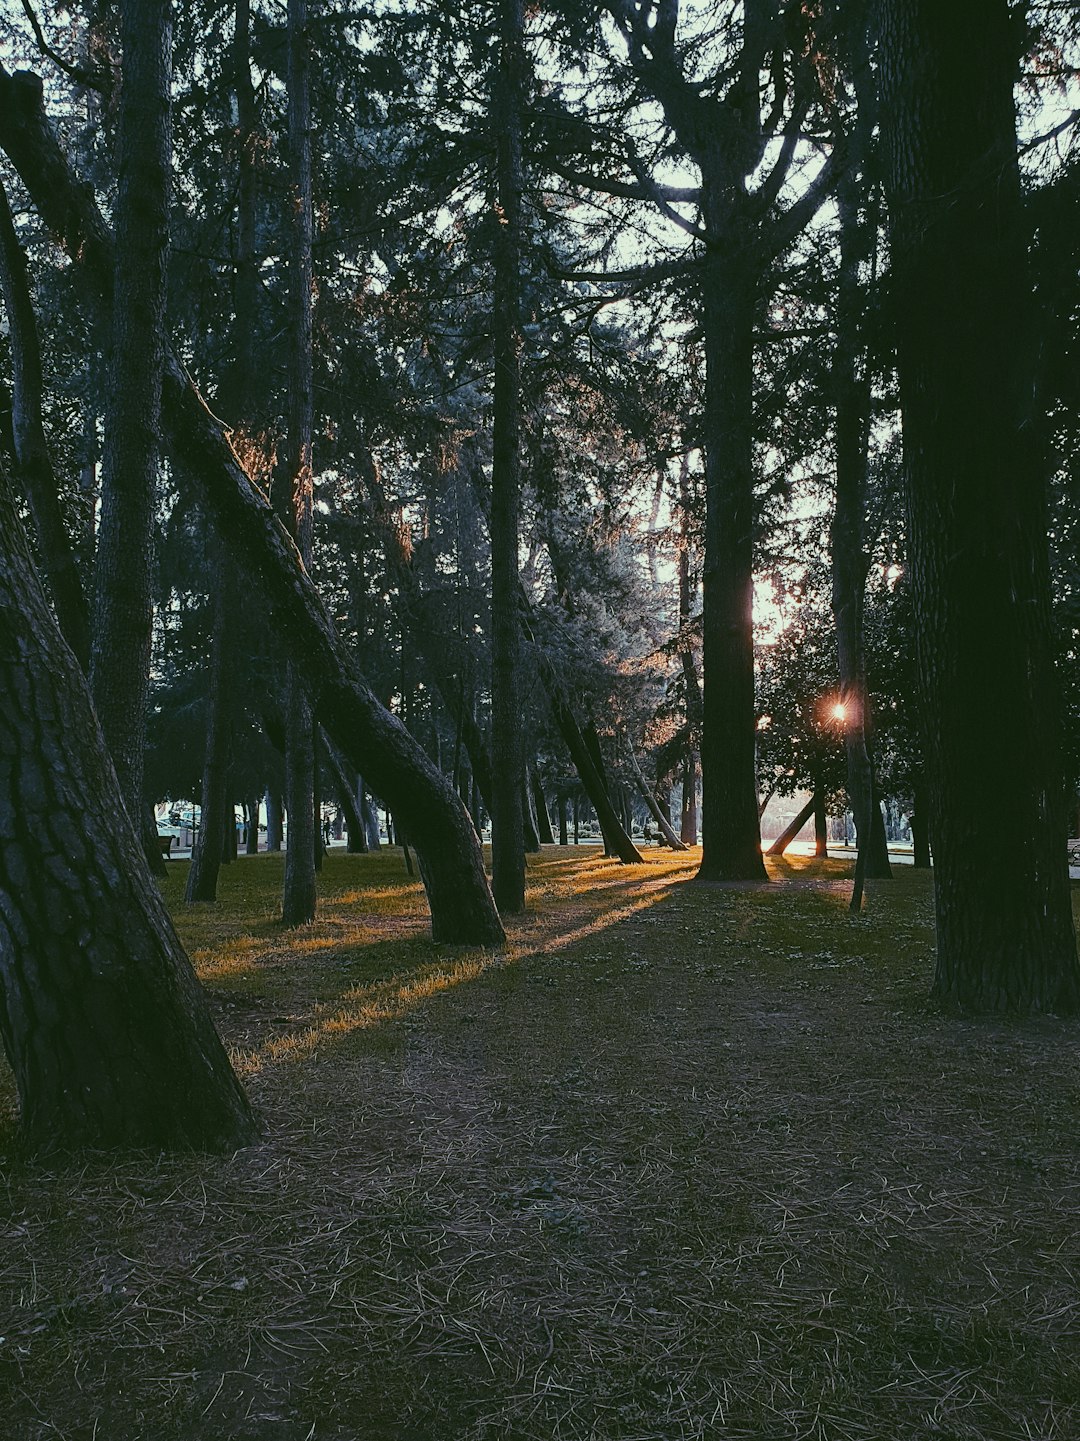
x,y
120,661
103,1021
366,733
976,506
730,835
508,752
34,469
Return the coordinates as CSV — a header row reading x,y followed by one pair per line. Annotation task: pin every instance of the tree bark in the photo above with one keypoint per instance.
x,y
120,660
273,821
508,750
730,833
103,1021
34,468
851,393
251,835
976,506
299,897
821,829
543,815
530,829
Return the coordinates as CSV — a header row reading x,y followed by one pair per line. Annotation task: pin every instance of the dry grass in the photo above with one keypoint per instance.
x,y
681,1163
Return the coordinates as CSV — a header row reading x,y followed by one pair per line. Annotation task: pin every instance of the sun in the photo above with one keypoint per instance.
x,y
839,711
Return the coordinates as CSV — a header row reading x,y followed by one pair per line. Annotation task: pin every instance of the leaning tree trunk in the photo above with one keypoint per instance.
x,y
530,827
103,1021
299,899
462,910
120,660
507,739
543,815
976,506
34,468
346,797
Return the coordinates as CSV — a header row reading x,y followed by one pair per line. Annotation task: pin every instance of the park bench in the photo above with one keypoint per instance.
x,y
165,845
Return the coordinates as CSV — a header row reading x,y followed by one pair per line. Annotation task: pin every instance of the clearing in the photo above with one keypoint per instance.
x,y
685,1162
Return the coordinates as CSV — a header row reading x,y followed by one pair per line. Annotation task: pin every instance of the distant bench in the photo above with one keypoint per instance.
x,y
165,845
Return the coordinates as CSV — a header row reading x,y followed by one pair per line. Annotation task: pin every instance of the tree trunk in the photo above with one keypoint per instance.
x,y
208,852
462,910
596,755
543,816
104,1024
616,841
851,392
34,469
821,829
688,817
228,833
251,837
273,821
920,829
976,506
299,898
655,809
562,818
530,830
357,843
508,752
120,661
730,835
784,839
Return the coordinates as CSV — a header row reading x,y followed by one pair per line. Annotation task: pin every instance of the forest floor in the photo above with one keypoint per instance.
x,y
684,1162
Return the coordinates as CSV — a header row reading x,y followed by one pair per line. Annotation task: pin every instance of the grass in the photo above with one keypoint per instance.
x,y
681,1163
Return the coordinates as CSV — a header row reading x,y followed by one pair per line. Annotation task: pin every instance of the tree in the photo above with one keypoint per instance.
x,y
104,1024
394,766
298,900
719,121
120,659
508,751
976,506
